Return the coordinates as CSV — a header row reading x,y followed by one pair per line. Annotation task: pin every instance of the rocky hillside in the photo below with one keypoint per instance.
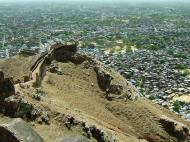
x,y
161,75
69,97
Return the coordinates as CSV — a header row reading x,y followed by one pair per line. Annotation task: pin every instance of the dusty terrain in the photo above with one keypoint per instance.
x,y
70,101
17,66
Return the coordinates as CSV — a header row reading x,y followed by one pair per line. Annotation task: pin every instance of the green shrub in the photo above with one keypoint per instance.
x,y
152,97
180,55
162,61
186,73
177,106
181,66
170,51
24,110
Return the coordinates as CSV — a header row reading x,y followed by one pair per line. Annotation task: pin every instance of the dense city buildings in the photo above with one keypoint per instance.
x,y
149,44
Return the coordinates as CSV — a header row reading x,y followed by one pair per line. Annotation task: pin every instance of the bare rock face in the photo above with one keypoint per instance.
x,y
1,76
175,128
8,100
15,106
64,52
6,87
10,105
104,78
27,52
114,89
73,139
18,131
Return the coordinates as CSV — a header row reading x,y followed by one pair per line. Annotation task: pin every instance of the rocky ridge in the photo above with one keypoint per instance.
x,y
107,107
158,74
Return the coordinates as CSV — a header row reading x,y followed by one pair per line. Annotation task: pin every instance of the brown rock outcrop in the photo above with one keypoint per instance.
x,y
28,52
104,78
175,128
108,82
63,52
6,87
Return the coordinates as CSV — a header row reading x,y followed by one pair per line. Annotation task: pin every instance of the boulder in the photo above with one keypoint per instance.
x,y
18,130
15,106
97,133
6,87
10,105
104,78
116,89
175,128
73,139
1,76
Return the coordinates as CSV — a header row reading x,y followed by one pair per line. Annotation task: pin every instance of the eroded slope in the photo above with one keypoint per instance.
x,y
78,96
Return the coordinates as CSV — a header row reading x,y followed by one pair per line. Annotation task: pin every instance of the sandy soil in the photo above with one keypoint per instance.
x,y
183,98
77,93
17,66
74,93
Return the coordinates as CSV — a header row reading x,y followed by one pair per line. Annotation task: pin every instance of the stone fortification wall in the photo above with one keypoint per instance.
x,y
58,52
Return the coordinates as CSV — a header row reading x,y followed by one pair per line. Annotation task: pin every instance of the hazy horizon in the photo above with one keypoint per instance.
x,y
149,1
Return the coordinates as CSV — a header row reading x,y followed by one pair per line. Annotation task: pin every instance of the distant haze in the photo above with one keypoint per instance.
x,y
151,1
134,2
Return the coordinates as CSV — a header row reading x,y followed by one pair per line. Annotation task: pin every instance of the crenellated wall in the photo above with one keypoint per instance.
x,y
40,73
35,65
